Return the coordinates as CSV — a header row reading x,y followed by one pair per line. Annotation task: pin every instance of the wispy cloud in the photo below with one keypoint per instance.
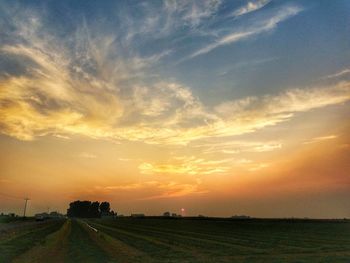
x,y
197,166
237,147
321,138
187,165
93,89
338,74
199,10
246,64
262,26
282,107
87,155
170,189
258,167
251,6
156,21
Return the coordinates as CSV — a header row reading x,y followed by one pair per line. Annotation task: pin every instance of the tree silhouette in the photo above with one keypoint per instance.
x,y
105,207
88,209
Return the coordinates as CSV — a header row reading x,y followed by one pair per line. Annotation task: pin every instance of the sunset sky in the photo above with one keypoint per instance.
x,y
218,107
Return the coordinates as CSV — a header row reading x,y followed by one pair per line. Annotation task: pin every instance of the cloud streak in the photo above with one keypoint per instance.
x,y
237,147
187,165
251,6
322,138
338,74
262,26
163,190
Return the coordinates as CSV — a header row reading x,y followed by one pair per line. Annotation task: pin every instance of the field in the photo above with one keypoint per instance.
x,y
175,240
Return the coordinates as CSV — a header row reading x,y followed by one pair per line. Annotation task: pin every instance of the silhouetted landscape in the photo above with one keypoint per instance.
x,y
92,233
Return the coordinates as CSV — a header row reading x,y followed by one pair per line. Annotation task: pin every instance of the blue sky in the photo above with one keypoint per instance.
x,y
307,40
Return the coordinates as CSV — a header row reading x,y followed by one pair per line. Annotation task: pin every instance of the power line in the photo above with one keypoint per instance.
x,y
26,199
25,206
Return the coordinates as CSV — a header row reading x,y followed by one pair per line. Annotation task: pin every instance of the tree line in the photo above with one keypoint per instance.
x,y
88,209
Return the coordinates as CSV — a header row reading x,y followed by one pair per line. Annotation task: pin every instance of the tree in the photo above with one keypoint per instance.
x,y
84,209
105,208
94,209
88,209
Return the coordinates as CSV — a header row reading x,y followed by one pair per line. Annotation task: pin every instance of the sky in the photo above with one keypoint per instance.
x,y
211,106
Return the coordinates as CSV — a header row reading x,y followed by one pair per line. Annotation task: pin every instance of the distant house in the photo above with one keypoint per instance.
x,y
137,215
55,214
8,215
41,216
45,216
166,214
240,217
108,214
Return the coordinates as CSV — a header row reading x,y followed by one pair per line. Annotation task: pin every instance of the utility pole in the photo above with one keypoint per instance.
x,y
25,206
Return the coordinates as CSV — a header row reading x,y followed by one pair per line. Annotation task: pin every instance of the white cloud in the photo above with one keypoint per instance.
x,y
251,6
87,155
321,138
338,74
280,107
192,12
199,10
261,27
154,21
